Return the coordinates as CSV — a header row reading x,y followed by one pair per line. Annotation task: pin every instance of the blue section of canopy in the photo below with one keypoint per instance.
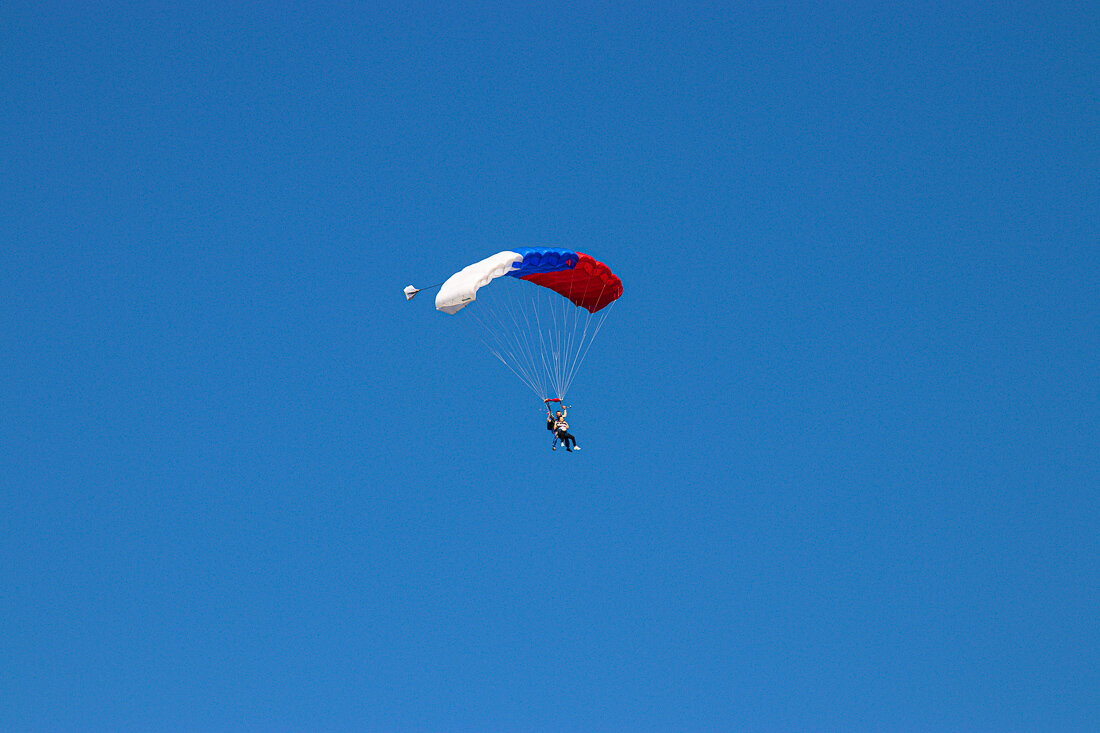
x,y
543,259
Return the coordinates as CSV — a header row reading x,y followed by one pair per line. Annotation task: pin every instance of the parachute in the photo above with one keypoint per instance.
x,y
542,313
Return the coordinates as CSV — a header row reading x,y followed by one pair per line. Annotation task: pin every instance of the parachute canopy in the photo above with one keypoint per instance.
x,y
539,317
584,281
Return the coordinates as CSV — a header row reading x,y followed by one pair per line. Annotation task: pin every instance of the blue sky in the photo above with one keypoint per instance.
x,y
840,433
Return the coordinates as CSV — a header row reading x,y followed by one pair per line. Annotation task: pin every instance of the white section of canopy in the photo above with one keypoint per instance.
x,y
461,288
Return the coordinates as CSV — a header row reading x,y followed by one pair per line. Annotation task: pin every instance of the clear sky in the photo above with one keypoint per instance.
x,y
841,433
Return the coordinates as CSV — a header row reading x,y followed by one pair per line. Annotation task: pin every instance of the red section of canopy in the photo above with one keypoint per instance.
x,y
590,285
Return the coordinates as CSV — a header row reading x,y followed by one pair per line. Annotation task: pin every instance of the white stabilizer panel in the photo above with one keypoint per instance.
x,y
461,288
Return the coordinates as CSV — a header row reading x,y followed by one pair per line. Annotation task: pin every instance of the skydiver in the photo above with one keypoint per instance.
x,y
551,423
561,430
